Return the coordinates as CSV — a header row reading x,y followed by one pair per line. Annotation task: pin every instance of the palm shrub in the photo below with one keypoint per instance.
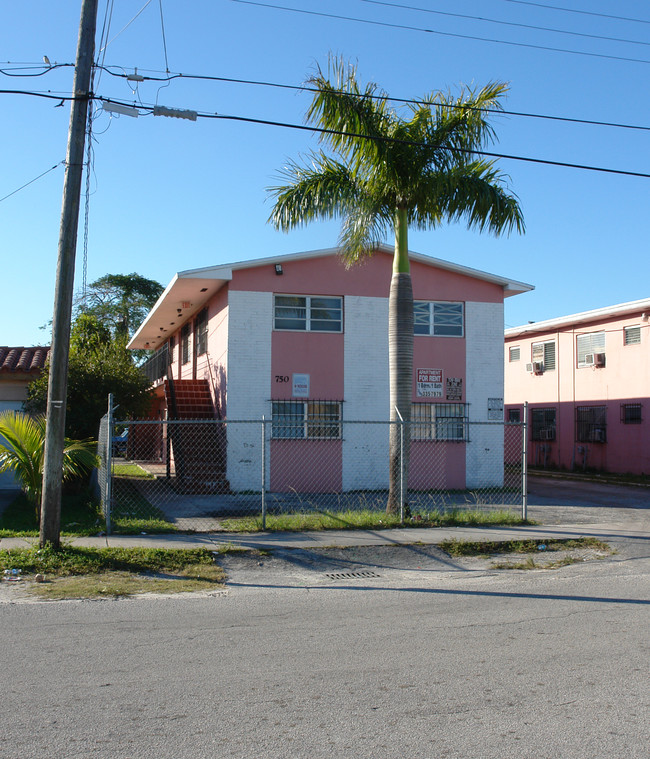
x,y
385,173
22,449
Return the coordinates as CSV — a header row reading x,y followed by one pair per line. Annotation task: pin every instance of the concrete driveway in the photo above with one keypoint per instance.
x,y
556,500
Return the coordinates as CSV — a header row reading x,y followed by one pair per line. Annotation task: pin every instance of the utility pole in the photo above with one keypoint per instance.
x,y
50,527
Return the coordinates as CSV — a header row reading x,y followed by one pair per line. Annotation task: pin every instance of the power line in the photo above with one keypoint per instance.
x,y
507,23
574,10
442,34
319,130
303,88
169,76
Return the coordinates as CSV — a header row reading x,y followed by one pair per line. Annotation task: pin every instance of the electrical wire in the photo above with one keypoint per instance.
x,y
169,76
319,130
410,28
506,23
126,26
575,10
31,181
46,69
303,88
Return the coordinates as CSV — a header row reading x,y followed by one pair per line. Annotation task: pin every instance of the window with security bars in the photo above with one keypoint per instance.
x,y
631,413
544,353
308,313
542,424
301,420
185,344
201,332
632,335
514,415
587,345
439,421
591,424
438,319
514,353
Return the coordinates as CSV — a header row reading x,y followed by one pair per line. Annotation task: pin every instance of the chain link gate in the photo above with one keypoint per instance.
x,y
194,475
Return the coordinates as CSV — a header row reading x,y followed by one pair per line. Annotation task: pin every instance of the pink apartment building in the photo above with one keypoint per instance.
x,y
303,341
586,378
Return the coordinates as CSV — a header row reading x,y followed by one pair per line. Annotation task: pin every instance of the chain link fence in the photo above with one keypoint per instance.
x,y
194,474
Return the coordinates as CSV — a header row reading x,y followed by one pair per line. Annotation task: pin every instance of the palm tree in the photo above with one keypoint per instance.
x,y
388,173
22,446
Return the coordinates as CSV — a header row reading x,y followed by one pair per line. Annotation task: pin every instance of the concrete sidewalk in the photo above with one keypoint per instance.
x,y
608,531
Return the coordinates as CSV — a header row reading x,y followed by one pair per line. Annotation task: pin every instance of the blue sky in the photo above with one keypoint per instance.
x,y
169,194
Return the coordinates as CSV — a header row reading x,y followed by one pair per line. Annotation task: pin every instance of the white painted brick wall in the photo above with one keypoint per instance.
x,y
484,379
365,446
250,319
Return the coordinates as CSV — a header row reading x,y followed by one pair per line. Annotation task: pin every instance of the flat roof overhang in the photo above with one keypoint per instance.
x,y
183,297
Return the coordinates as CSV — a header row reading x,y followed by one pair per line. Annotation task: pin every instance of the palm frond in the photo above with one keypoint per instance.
x,y
22,452
473,192
359,120
363,229
324,190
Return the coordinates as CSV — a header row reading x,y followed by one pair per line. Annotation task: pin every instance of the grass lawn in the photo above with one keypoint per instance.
x,y
371,520
80,515
76,572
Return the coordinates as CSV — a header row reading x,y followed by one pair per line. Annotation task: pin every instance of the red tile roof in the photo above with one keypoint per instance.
x,y
24,360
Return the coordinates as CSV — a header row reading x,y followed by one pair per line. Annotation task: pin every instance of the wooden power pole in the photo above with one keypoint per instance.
x,y
58,383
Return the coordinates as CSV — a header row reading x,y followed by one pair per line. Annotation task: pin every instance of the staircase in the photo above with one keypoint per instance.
x,y
198,449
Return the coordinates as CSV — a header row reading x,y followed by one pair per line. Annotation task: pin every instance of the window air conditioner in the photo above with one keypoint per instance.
x,y
599,359
597,435
547,434
589,359
538,367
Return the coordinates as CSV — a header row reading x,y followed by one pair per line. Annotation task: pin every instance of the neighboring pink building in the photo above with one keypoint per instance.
x,y
303,341
586,378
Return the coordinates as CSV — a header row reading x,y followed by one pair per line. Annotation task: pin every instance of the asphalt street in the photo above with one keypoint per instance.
x,y
381,652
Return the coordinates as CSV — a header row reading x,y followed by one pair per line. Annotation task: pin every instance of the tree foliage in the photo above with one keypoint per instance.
x,y
99,364
120,302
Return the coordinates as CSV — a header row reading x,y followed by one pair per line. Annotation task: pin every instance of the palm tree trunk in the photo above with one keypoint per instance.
x,y
400,359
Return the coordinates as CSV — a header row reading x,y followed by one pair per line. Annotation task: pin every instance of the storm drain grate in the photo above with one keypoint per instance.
x,y
350,575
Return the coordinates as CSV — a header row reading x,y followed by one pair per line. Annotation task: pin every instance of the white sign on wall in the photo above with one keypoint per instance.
x,y
429,383
300,386
495,409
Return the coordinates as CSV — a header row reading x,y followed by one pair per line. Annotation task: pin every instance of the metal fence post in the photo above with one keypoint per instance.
x,y
401,466
524,464
109,466
263,473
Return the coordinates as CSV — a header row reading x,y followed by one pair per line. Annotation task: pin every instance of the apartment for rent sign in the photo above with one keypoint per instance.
x,y
429,383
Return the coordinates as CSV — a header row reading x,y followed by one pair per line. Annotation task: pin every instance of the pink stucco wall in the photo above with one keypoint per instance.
x,y
306,466
624,380
327,275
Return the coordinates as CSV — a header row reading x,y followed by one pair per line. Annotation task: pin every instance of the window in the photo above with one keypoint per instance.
x,y
632,335
299,420
544,353
308,313
185,344
201,332
438,421
514,415
591,424
631,413
514,353
542,424
438,319
587,345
